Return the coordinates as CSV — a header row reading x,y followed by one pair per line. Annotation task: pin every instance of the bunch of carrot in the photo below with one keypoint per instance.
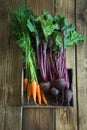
x,y
33,89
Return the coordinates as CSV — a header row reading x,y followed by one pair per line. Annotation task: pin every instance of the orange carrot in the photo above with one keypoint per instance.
x,y
38,94
28,91
25,83
33,90
43,97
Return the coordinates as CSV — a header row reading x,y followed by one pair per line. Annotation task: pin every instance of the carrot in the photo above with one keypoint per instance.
x,y
43,97
33,90
38,94
25,83
28,91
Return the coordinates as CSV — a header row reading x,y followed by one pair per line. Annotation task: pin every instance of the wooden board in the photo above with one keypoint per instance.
x,y
2,117
38,119
30,119
3,62
13,118
10,80
65,119
38,5
14,63
66,7
47,119
81,22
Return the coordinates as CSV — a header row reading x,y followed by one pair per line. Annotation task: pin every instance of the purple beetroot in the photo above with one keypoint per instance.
x,y
68,96
55,93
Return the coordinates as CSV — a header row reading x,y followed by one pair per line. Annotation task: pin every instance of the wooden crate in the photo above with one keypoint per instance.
x,y
50,98
48,117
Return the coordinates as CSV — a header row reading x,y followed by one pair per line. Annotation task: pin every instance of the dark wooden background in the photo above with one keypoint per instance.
x,y
12,115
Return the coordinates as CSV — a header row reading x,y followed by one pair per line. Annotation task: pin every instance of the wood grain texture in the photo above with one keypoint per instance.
x,y
47,119
9,61
13,118
38,119
3,50
14,63
65,118
66,7
38,5
3,62
2,117
81,22
30,119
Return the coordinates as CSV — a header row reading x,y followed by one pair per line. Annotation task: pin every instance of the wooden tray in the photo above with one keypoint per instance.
x,y
50,98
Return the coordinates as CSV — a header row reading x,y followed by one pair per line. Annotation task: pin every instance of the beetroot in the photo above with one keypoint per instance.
x,y
60,84
54,91
68,96
45,86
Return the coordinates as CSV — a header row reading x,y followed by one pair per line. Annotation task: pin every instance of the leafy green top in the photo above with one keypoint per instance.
x,y
25,25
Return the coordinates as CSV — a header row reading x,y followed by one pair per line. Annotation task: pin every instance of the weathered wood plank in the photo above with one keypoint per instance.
x,y
65,119
12,115
38,119
3,50
47,119
13,118
31,119
38,5
2,117
81,22
3,62
14,63
66,7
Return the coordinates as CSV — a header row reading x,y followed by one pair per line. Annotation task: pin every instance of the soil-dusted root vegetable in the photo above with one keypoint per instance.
x,y
54,91
60,85
28,91
25,83
45,86
43,97
33,90
68,96
38,94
